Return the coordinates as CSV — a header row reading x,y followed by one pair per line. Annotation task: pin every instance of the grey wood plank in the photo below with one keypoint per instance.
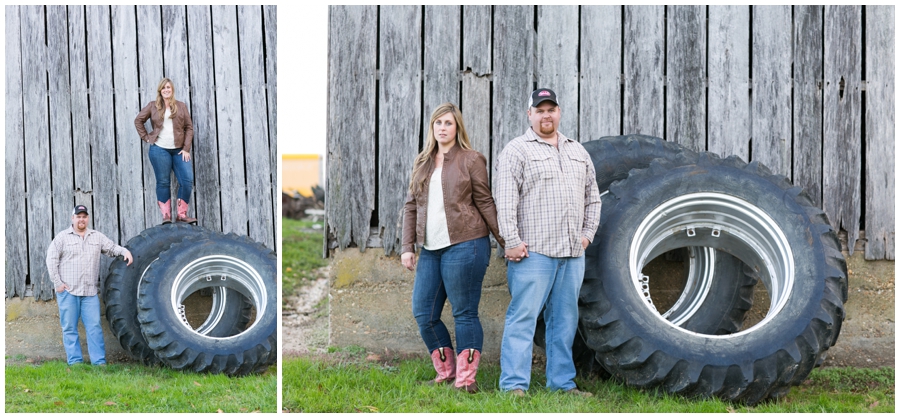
x,y
270,26
62,175
644,65
37,147
102,113
228,118
81,131
557,61
350,140
686,76
399,123
807,106
441,59
771,79
880,133
150,73
600,93
175,65
728,102
842,148
203,113
260,174
476,84
14,149
513,78
127,105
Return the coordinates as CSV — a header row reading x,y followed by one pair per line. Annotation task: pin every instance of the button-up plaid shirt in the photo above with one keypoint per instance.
x,y
75,261
546,196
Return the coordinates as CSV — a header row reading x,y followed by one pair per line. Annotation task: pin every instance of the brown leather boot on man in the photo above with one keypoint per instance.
x,y
444,361
166,209
182,213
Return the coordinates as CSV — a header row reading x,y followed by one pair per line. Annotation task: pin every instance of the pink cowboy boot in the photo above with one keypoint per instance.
x,y
466,369
444,360
166,209
182,213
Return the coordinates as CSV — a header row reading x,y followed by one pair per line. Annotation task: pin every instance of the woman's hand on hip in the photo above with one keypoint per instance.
x,y
186,156
409,260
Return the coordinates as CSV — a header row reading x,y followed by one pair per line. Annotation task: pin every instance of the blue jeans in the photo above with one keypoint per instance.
x,y
164,161
533,282
72,307
454,272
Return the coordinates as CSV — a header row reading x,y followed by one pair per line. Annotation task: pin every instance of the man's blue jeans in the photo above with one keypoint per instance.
x,y
164,161
533,282
72,307
455,272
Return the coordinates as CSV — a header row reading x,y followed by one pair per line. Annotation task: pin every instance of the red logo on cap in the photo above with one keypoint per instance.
x,y
544,93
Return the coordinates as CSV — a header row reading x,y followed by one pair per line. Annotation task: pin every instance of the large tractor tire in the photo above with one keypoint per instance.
x,y
230,310
701,200
224,261
719,288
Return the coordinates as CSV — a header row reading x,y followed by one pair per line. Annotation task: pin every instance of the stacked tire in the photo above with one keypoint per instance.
x,y
741,225
145,301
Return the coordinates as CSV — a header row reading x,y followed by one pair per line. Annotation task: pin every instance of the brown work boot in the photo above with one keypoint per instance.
x,y
182,213
444,361
166,209
575,391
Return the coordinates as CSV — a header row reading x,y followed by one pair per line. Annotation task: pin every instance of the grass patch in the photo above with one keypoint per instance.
x,y
54,386
344,381
301,253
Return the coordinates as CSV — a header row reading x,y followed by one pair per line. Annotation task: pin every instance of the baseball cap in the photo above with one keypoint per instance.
x,y
78,209
542,95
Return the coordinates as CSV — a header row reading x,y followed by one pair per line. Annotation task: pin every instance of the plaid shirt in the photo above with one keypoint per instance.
x,y
75,261
547,197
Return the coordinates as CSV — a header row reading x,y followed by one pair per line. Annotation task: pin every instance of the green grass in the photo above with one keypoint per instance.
x,y
301,253
54,386
344,382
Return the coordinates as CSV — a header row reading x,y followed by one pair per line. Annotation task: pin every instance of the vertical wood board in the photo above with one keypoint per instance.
x,y
16,261
557,61
476,84
398,130
61,181
256,126
771,93
807,105
441,60
600,92
842,148
175,67
880,132
513,71
728,103
270,28
644,65
686,76
150,73
351,139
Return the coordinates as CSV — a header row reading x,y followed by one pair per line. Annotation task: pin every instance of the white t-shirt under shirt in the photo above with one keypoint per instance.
x,y
436,234
166,137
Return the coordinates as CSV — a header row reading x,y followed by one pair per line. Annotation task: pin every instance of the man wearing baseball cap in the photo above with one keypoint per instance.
x,y
548,209
73,259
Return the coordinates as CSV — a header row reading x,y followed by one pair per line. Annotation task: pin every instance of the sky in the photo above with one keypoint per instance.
x,y
302,78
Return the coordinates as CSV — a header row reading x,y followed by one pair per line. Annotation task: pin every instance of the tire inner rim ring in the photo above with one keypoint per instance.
x,y
219,271
219,302
722,222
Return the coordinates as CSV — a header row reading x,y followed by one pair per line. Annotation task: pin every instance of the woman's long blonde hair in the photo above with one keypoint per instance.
x,y
425,160
162,104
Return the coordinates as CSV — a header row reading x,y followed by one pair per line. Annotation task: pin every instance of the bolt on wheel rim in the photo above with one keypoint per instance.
x,y
219,272
707,221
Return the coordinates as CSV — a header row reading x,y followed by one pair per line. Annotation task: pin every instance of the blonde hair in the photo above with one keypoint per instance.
x,y
170,103
424,162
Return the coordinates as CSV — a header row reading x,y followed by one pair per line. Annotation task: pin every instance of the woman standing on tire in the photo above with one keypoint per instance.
x,y
449,211
170,149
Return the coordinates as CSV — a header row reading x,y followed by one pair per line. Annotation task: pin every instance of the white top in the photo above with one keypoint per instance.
x,y
436,234
166,137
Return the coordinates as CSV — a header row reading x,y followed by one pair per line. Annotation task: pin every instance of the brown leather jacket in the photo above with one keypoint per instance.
x,y
181,124
467,202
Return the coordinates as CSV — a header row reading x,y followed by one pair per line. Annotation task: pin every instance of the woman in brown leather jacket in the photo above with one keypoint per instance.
x,y
449,211
170,149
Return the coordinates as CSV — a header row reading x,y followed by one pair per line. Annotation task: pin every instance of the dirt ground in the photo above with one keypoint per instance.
x,y
304,318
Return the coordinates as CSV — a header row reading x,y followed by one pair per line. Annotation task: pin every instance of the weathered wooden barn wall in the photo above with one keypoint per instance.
x,y
76,77
806,90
